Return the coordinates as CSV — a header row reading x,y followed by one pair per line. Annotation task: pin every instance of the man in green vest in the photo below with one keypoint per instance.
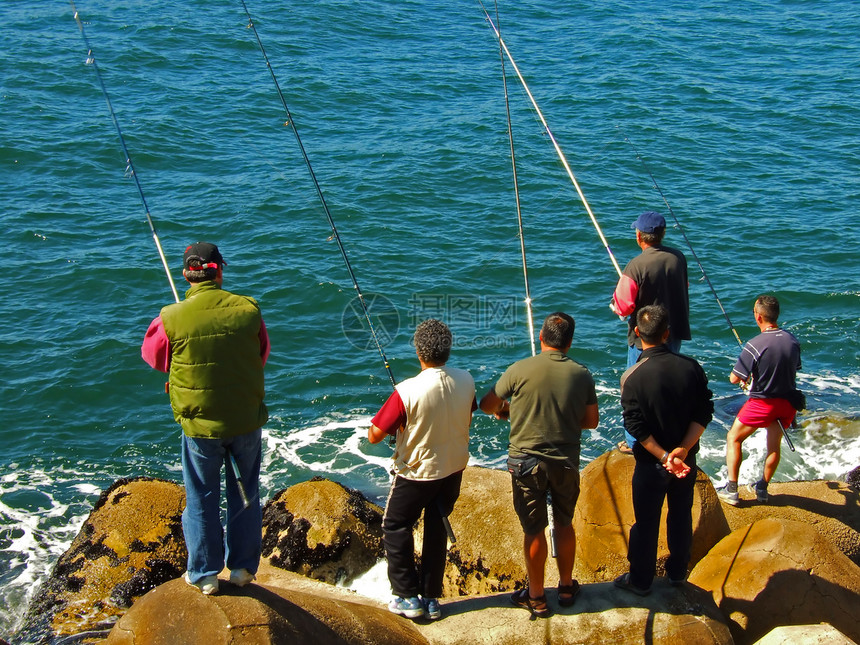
x,y
214,345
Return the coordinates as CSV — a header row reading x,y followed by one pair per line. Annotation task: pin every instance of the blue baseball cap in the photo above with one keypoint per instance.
x,y
649,221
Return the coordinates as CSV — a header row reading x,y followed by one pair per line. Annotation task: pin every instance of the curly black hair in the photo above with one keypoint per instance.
x,y
433,342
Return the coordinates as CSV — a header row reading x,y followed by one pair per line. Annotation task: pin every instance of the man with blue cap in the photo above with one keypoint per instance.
x,y
657,276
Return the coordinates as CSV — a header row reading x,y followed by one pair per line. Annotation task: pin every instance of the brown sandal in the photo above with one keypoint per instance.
x,y
537,606
571,590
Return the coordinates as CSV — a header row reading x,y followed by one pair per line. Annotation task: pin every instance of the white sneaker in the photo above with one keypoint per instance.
x,y
207,585
409,607
241,577
729,497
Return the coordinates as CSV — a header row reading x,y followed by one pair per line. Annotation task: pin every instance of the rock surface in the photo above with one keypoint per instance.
x,y
822,634
853,479
777,572
833,508
604,516
177,614
601,614
488,554
288,608
131,542
323,530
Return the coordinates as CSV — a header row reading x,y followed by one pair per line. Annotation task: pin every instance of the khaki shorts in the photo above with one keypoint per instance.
x,y
530,493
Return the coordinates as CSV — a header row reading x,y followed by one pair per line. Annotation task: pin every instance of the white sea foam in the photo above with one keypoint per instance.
x,y
373,583
42,527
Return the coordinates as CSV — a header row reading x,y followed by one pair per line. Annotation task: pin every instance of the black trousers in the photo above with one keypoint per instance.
x,y
406,501
651,485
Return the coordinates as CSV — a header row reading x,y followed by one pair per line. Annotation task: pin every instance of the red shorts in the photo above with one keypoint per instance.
x,y
760,413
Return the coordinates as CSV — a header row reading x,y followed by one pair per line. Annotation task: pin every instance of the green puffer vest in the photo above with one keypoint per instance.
x,y
216,372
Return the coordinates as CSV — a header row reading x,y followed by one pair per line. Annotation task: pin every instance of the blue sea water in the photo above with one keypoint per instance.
x,y
745,114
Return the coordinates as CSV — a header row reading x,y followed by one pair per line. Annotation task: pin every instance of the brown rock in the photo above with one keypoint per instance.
x,y
602,614
488,554
604,516
323,530
778,572
822,634
833,508
177,614
290,608
131,542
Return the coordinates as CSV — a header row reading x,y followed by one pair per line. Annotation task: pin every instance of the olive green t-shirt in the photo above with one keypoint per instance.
x,y
548,394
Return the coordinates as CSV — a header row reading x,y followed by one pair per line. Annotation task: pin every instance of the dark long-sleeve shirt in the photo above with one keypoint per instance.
x,y
661,395
657,276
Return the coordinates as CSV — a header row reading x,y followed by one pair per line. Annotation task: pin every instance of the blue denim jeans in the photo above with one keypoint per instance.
x,y
633,354
202,460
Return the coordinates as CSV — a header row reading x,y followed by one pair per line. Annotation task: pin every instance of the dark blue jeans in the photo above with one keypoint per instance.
x,y
651,485
202,460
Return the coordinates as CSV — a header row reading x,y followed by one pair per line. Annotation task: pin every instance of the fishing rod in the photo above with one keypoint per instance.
x,y
91,60
290,122
528,301
552,139
684,235
550,518
335,235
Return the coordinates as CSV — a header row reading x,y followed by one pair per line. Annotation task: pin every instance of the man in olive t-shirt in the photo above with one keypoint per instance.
x,y
549,399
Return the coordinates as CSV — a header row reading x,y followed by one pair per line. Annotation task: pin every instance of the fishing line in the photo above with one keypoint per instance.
x,y
517,194
553,140
91,60
550,514
684,235
335,235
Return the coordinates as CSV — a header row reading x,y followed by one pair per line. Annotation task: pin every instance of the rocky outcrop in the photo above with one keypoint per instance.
x,y
601,614
777,572
288,608
131,543
257,614
853,479
833,508
323,530
604,516
487,556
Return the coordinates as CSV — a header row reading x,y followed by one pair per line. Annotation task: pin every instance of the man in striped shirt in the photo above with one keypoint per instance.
x,y
770,361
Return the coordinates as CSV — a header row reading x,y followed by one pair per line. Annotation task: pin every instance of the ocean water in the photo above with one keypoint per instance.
x,y
746,115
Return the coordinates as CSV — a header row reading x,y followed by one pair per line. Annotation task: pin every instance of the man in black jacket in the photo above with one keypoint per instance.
x,y
666,404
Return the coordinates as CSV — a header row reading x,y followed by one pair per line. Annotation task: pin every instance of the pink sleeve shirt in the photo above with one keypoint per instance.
x,y
156,346
624,298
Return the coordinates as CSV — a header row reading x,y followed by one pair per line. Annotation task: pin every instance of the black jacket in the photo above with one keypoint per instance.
x,y
661,395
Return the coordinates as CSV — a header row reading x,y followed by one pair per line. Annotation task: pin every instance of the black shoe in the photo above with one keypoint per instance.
x,y
623,582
